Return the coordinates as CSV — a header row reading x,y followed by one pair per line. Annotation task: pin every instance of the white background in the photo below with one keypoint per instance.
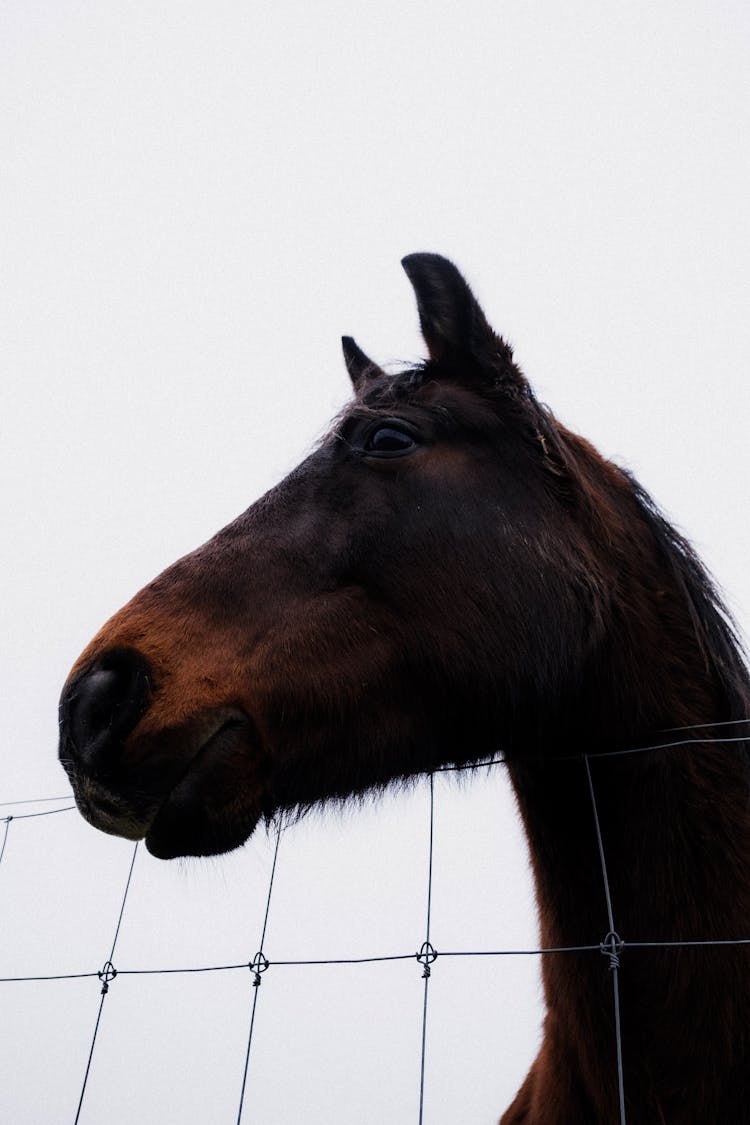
x,y
197,201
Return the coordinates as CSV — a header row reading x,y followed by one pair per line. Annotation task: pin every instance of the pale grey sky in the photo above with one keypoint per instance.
x,y
197,201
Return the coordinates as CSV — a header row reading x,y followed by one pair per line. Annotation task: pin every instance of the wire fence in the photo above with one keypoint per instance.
x,y
611,947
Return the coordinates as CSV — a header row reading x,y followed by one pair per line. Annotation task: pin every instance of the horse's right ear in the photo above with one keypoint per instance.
x,y
453,325
360,367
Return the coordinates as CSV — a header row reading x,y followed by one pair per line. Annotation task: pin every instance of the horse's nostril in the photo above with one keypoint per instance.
x,y
103,705
96,705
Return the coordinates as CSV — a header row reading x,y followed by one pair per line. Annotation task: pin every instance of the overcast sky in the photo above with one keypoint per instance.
x,y
197,200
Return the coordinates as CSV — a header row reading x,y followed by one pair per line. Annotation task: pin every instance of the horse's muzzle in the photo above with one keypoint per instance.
x,y
176,788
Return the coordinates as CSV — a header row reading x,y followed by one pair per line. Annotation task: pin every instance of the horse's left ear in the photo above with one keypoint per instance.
x,y
360,367
453,325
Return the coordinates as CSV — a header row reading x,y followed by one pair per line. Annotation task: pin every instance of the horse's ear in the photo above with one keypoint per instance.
x,y
360,367
453,325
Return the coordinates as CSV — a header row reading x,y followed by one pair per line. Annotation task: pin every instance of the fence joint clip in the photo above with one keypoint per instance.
x,y
611,947
107,974
258,965
426,956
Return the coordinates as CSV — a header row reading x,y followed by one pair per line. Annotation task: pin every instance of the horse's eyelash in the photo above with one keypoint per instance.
x,y
340,437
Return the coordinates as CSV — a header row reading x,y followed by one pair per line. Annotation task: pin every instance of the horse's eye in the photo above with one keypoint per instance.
x,y
387,441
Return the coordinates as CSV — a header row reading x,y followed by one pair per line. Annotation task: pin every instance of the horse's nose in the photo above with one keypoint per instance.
x,y
101,706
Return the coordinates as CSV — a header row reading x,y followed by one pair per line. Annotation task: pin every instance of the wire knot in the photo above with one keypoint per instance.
x,y
258,965
108,973
611,947
426,956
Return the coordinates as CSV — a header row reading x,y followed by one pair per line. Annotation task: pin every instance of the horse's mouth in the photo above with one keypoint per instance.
x,y
204,811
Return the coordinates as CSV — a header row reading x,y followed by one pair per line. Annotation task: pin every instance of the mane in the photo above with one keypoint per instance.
x,y
712,621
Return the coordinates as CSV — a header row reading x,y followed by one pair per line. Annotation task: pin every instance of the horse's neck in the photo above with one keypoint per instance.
x,y
674,847
674,824
675,842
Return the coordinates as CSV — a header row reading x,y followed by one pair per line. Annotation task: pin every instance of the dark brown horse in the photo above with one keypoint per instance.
x,y
450,574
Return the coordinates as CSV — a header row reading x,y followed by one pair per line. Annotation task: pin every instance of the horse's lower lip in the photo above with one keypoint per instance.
x,y
111,814
204,814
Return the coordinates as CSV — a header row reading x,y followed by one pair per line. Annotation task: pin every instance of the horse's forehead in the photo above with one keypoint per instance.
x,y
423,389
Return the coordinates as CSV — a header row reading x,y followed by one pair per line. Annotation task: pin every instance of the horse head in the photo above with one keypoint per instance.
x,y
429,586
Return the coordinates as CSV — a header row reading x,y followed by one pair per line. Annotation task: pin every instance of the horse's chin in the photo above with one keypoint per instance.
x,y
198,819
186,828
217,804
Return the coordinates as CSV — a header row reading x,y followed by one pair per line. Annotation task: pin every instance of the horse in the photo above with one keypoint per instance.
x,y
450,575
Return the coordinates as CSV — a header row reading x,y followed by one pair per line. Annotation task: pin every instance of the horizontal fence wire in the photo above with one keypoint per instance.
x,y
33,815
37,800
387,958
611,946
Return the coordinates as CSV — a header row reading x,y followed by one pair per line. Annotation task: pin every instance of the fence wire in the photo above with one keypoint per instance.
x,y
611,946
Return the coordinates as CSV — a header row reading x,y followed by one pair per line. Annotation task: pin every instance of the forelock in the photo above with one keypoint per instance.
x,y
390,389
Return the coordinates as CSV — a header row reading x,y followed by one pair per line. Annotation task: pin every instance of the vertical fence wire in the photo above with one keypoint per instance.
x,y
612,943
7,820
107,974
427,954
258,965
